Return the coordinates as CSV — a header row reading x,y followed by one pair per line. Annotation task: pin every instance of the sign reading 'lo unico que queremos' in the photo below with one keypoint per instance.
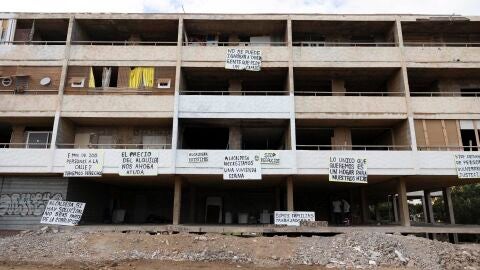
x,y
139,162
241,166
347,169
83,163
243,59
468,165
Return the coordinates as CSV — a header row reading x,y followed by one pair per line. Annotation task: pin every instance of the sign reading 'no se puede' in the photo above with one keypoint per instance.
x,y
243,59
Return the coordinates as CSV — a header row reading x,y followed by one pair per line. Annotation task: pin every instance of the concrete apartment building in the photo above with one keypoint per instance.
x,y
401,92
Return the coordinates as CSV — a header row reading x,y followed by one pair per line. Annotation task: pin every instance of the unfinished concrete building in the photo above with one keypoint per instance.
x,y
400,91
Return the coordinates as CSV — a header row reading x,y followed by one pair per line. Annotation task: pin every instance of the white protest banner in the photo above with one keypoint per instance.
x,y
62,213
243,59
468,165
270,157
138,162
197,157
347,169
292,218
83,163
239,165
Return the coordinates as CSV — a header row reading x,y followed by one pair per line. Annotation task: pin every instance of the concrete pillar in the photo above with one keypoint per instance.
x,y
447,202
278,206
429,212
193,199
364,204
235,87
18,137
177,199
338,87
395,208
290,193
235,138
402,202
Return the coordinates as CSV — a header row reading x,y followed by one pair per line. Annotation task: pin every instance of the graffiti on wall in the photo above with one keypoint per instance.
x,y
26,204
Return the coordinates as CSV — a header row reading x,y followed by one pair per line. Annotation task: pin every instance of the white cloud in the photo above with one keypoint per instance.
x,y
465,7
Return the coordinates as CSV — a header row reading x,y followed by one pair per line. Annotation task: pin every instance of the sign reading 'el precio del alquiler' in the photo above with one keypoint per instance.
x,y
139,162
83,163
468,165
241,166
62,213
292,218
243,59
347,169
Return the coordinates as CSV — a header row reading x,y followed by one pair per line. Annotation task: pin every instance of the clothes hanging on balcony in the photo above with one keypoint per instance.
x,y
135,78
106,75
91,79
148,76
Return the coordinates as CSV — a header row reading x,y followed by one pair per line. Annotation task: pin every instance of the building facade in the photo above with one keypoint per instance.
x,y
400,92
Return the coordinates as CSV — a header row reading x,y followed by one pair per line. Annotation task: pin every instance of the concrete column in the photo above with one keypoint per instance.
x,y
338,87
17,137
235,138
193,199
364,204
235,87
447,202
395,208
278,206
177,199
429,210
402,202
290,193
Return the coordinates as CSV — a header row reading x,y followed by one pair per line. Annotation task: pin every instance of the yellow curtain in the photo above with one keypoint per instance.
x,y
135,78
91,80
148,76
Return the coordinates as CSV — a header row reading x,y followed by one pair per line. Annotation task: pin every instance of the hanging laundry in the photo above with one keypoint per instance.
x,y
148,76
91,80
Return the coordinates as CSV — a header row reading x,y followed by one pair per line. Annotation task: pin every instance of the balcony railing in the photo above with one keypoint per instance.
x,y
110,90
447,148
28,92
342,44
354,147
114,146
441,44
125,43
237,43
330,93
25,145
34,42
445,94
233,93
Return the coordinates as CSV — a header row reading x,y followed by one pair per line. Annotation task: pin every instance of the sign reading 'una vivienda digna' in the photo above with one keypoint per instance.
x,y
243,59
347,169
241,166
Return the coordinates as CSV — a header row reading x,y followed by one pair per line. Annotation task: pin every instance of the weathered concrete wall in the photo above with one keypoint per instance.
x,y
32,52
28,105
306,56
123,53
446,107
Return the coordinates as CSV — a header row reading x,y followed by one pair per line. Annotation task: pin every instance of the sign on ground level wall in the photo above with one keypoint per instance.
x,y
468,165
292,218
83,163
243,59
347,169
239,165
62,213
138,162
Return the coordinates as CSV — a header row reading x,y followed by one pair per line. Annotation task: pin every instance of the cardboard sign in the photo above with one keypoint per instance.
x,y
83,163
468,165
62,213
347,169
270,158
138,162
243,59
239,165
292,218
198,157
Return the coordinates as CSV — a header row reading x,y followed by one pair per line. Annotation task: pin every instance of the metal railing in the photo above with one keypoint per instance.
x,y
342,44
447,148
445,94
113,146
125,43
235,43
109,90
27,92
34,42
440,44
354,147
233,93
25,145
347,93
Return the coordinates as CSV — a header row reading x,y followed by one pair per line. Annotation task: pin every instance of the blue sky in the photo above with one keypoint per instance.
x,y
463,7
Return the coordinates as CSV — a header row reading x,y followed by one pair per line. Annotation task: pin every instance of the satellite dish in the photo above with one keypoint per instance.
x,y
7,81
45,81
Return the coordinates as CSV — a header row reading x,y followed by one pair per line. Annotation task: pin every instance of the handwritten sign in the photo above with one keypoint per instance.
x,y
62,213
239,165
270,157
83,163
468,165
198,157
292,218
243,59
138,162
347,169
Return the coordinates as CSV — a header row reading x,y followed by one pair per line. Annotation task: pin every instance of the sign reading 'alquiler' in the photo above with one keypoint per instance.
x,y
241,166
139,162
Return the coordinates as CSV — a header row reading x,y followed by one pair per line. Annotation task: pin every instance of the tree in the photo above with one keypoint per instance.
x,y
466,204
